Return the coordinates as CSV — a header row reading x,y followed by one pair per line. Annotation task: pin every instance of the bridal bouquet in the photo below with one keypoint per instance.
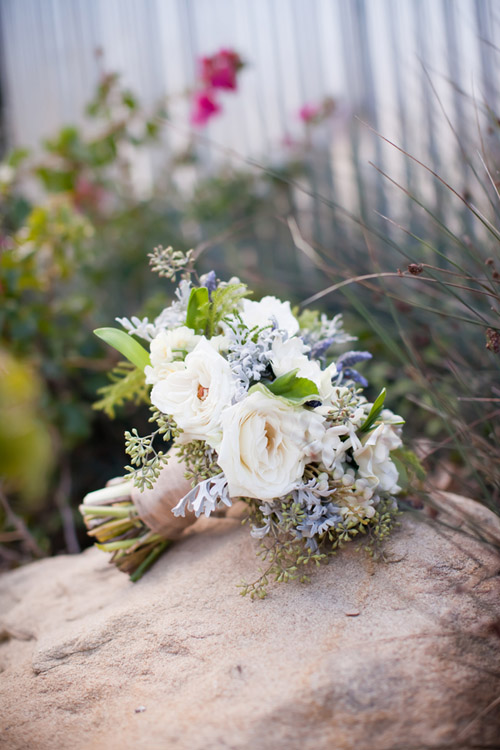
x,y
259,404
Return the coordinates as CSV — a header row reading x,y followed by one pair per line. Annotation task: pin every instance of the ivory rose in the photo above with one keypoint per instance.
x,y
374,460
197,394
166,347
268,310
265,446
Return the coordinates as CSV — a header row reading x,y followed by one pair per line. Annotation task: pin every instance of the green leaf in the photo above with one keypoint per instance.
x,y
283,383
374,411
309,320
294,389
125,344
17,156
103,150
129,100
56,181
410,470
152,129
198,309
403,480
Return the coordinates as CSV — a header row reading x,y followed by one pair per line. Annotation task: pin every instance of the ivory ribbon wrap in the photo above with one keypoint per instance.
x,y
155,505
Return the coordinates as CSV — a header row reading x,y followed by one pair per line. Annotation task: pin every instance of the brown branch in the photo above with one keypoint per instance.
x,y
20,527
61,496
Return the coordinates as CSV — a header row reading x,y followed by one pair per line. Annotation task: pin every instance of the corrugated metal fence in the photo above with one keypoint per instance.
x,y
406,67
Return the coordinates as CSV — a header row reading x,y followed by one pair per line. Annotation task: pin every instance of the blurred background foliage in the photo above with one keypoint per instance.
x,y
75,231
74,235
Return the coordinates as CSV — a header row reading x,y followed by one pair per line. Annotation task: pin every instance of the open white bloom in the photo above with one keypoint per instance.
x,y
374,461
268,310
220,343
314,434
291,355
166,347
333,449
197,394
265,446
388,417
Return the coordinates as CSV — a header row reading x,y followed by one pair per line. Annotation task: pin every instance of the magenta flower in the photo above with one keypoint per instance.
x,y
88,195
219,71
315,113
309,112
204,107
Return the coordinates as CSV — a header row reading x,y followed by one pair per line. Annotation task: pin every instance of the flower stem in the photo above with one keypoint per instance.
x,y
118,511
150,559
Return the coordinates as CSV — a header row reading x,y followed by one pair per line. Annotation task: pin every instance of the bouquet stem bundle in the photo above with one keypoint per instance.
x,y
137,527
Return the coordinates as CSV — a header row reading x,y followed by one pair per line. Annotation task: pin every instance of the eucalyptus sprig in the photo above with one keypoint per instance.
x,y
146,461
167,262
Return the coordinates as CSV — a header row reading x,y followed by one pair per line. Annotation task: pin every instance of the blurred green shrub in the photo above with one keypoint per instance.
x,y
70,257
23,432
74,237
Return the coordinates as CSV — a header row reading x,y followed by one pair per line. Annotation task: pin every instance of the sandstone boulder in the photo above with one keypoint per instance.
x,y
393,655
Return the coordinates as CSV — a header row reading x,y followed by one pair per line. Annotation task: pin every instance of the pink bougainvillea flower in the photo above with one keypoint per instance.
x,y
288,141
204,107
315,113
88,195
219,71
309,112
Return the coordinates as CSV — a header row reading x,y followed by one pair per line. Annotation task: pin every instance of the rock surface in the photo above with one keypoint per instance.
x,y
394,655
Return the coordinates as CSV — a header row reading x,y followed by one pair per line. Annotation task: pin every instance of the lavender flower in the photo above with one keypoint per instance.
x,y
209,280
345,369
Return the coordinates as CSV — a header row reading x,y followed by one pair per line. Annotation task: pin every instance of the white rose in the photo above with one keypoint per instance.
x,y
197,394
220,343
166,347
265,446
290,355
268,310
374,461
